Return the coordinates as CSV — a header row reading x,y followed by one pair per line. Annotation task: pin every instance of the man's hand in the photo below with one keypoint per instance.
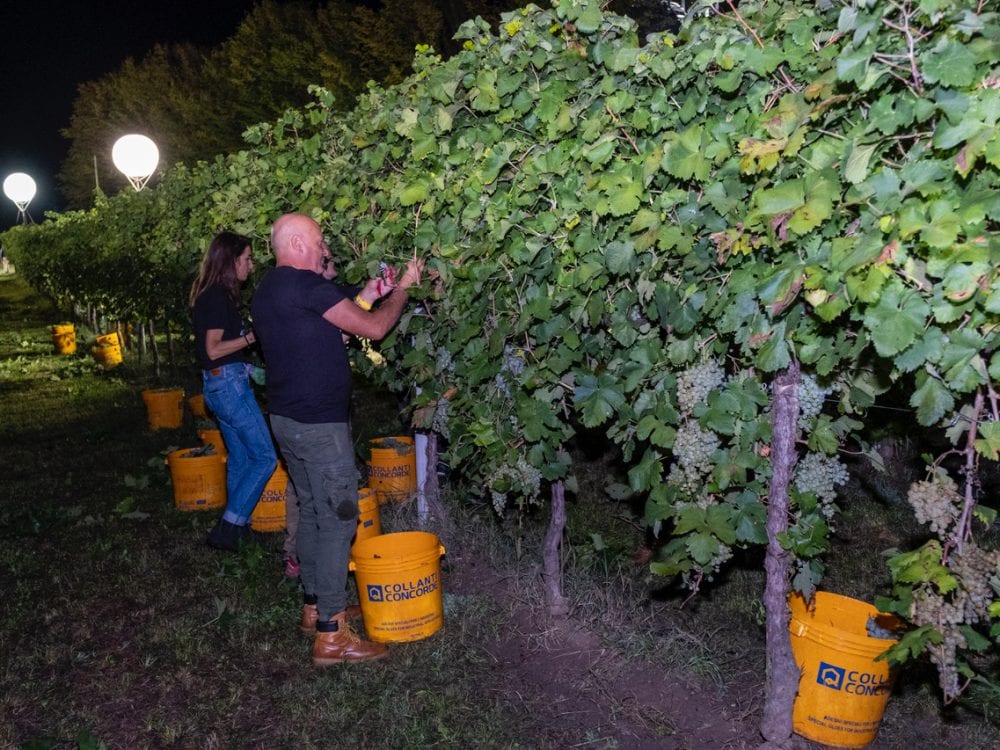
x,y
329,268
376,289
411,276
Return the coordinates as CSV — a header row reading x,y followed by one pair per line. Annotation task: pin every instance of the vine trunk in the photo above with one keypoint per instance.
x,y
782,674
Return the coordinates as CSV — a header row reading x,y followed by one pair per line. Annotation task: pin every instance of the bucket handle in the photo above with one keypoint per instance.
x,y
353,568
225,460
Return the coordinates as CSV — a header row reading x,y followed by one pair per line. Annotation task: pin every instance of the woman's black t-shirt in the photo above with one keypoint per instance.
x,y
214,308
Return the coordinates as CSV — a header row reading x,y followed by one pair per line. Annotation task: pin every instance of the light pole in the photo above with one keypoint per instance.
x,y
20,188
136,156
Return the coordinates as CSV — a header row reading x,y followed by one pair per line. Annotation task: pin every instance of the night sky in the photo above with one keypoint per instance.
x,y
49,47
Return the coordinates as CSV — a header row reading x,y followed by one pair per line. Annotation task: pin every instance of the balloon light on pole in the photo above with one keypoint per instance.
x,y
20,188
135,156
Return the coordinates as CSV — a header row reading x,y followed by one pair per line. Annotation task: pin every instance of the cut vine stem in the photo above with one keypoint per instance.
x,y
963,532
551,559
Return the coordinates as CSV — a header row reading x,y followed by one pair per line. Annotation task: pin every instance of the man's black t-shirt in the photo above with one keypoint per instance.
x,y
214,308
308,372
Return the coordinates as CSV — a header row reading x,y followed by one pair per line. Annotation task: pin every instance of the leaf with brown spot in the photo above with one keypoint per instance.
x,y
962,161
779,225
779,306
888,253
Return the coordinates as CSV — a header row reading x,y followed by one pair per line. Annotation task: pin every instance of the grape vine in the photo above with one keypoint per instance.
x,y
638,237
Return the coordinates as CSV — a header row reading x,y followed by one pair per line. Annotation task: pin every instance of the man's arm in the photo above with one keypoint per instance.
x,y
350,318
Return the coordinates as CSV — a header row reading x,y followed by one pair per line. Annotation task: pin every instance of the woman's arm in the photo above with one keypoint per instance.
x,y
216,348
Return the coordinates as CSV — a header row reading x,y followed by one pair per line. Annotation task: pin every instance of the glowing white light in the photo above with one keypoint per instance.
x,y
136,156
20,188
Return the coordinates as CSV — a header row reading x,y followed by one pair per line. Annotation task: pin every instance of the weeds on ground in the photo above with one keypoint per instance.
x,y
121,627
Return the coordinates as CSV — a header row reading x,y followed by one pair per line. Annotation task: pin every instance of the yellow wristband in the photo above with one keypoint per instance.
x,y
362,303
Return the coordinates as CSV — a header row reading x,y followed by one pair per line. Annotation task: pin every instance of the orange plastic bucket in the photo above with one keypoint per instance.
x,y
107,355
199,481
197,405
392,470
269,513
164,407
107,350
213,438
109,339
399,585
843,691
369,522
64,339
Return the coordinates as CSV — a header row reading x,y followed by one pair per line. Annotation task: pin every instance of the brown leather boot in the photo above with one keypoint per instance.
x,y
310,615
343,644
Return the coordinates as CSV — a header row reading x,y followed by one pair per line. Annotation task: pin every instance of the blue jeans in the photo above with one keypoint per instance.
x,y
320,461
251,452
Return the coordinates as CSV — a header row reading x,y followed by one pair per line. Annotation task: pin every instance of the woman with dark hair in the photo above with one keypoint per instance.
x,y
221,341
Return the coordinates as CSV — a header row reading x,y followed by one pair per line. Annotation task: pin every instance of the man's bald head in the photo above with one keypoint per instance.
x,y
295,239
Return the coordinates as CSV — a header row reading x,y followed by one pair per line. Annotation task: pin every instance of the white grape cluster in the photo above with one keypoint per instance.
x,y
695,383
439,423
692,579
820,474
875,630
811,397
489,324
500,383
693,451
375,357
724,555
930,608
974,567
967,604
936,502
522,479
442,361
512,366
706,500
513,361
944,656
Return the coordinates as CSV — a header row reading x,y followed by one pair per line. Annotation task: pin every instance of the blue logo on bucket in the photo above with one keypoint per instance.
x,y
830,676
854,681
403,590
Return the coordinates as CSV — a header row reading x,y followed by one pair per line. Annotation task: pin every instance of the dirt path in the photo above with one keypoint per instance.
x,y
589,695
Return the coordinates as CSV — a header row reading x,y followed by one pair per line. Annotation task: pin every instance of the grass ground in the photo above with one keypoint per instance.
x,y
120,627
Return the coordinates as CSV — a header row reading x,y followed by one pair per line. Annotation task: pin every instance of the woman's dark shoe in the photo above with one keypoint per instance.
x,y
225,536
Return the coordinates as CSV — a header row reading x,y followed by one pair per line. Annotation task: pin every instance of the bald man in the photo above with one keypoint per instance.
x,y
300,318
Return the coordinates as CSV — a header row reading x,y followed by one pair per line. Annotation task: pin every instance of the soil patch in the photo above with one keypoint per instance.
x,y
587,693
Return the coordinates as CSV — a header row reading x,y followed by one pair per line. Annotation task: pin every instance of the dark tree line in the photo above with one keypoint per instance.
x,y
196,103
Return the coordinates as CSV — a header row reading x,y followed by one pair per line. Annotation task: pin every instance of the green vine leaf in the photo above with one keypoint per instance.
x,y
597,398
931,399
952,64
896,320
